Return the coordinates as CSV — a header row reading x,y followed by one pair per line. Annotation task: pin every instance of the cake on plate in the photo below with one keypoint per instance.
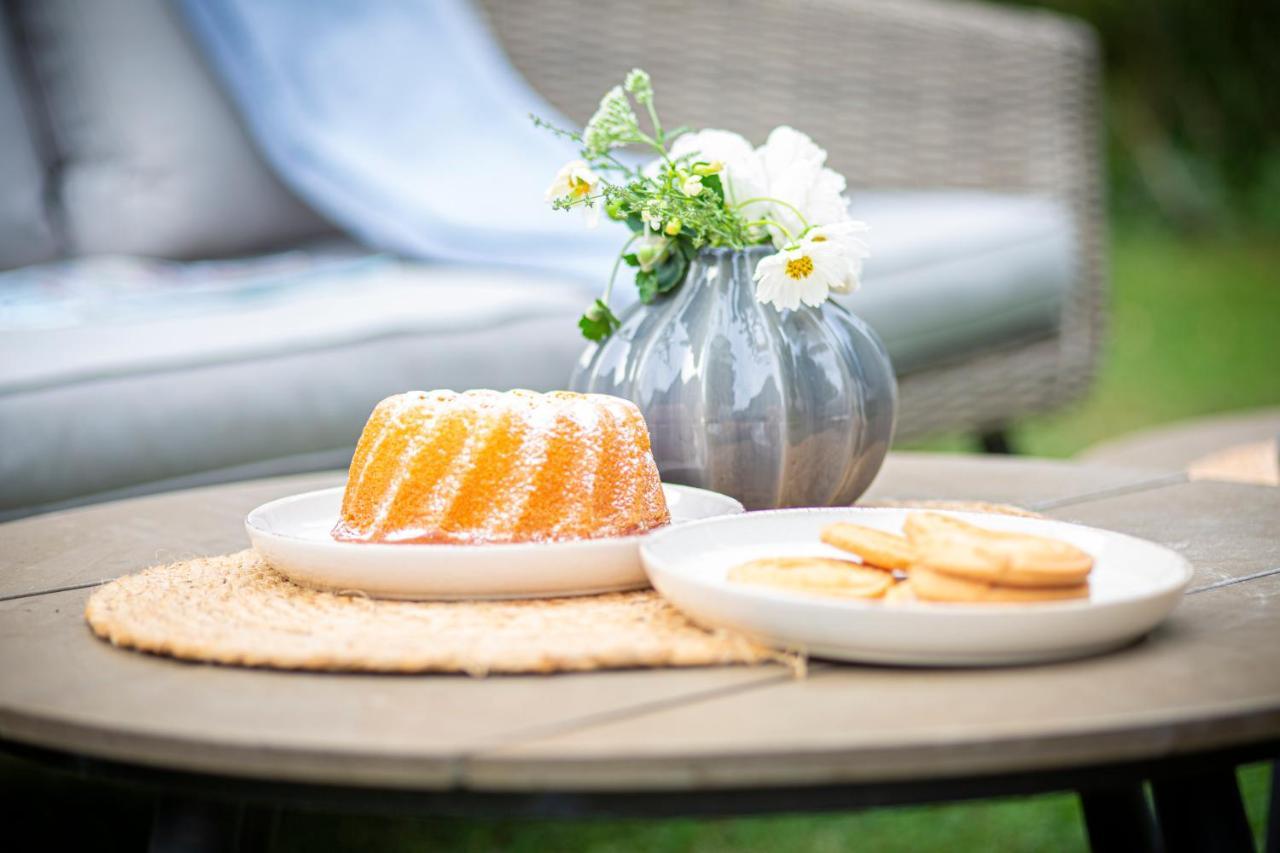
x,y
497,467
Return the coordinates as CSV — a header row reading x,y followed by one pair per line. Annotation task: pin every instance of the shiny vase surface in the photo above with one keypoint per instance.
x,y
774,408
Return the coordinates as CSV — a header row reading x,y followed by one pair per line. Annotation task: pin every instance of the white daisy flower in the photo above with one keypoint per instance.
x,y
802,273
576,181
795,172
845,235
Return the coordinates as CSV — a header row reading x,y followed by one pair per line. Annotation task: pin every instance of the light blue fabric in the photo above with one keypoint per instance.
x,y
120,289
404,124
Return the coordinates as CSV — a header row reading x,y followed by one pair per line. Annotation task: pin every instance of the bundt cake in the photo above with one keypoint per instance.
x,y
487,466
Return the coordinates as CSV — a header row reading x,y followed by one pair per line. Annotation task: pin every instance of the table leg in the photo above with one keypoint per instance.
x,y
1118,819
258,828
1202,813
1273,811
202,826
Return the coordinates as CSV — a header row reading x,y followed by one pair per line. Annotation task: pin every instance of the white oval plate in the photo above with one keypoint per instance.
x,y
1134,585
293,535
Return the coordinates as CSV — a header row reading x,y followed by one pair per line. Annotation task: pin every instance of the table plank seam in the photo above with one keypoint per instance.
x,y
1233,581
87,585
1163,481
580,724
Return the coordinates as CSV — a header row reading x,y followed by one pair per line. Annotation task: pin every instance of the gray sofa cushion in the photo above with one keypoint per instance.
x,y
25,233
263,374
952,273
120,374
152,159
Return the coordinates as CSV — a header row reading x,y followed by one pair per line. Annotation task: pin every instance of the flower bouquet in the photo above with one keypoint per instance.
x,y
752,380
709,189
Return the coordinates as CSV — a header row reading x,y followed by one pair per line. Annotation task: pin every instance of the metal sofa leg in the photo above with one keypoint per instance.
x,y
996,441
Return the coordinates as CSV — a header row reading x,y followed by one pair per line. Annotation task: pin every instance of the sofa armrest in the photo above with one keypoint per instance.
x,y
956,94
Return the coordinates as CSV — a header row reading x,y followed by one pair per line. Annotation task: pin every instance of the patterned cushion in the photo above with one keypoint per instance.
x,y
152,159
25,235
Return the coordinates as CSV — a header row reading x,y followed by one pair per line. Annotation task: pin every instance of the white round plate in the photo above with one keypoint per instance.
x,y
293,535
1134,585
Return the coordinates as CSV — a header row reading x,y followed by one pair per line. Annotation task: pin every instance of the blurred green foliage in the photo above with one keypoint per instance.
x,y
1192,109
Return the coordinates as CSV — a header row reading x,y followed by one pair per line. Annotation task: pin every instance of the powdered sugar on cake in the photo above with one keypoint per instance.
x,y
487,466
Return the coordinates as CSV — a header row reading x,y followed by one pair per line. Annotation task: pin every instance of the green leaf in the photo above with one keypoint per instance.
x,y
647,284
631,260
667,275
635,223
671,272
712,182
599,322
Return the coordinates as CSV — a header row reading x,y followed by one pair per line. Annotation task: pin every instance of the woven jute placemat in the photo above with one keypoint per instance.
x,y
235,609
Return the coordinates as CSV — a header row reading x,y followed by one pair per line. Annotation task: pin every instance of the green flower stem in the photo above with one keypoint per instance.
x,y
585,201
653,117
771,223
627,170
613,276
787,205
656,145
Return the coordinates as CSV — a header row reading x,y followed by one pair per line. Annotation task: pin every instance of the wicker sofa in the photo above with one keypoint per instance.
x,y
968,134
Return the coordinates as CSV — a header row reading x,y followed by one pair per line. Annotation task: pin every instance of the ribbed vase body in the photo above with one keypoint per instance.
x,y
775,408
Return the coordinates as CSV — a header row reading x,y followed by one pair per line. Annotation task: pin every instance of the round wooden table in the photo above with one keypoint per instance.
x,y
1180,709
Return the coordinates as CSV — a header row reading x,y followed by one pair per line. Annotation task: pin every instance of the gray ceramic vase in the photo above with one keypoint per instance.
x,y
775,408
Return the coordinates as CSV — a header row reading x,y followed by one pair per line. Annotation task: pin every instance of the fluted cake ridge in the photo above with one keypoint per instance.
x,y
487,466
